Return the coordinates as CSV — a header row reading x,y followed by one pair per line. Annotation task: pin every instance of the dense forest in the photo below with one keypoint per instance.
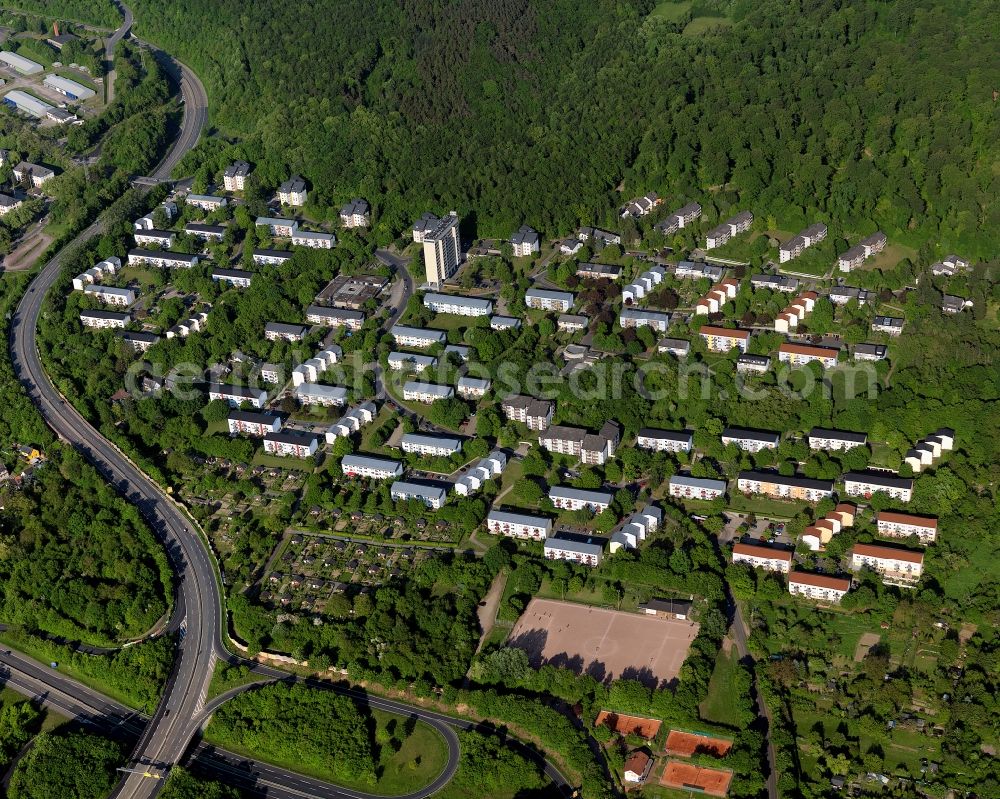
x,y
873,115
67,764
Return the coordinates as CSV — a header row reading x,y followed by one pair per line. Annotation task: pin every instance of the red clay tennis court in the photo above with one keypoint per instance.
x,y
606,644
685,776
685,744
628,725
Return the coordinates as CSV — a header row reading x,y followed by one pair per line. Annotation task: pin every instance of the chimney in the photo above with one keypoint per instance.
x,y
55,28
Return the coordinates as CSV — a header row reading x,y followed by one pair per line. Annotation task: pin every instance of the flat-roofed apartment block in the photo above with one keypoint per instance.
x,y
205,232
433,496
271,257
313,239
723,339
566,498
455,304
335,317
206,202
750,440
291,442
586,550
896,566
757,364
155,238
472,387
824,438
293,191
525,242
870,352
677,347
773,484
138,340
636,317
590,448
370,467
592,271
547,300
864,484
761,557
410,360
253,424
684,486
417,336
237,395
665,440
416,391
678,219
425,444
733,226
238,278
110,295
281,331
319,394
890,325
278,226
518,525
795,246
104,319
856,255
352,421
441,249
356,213
163,260
535,413
801,354
235,176
691,270
902,525
821,587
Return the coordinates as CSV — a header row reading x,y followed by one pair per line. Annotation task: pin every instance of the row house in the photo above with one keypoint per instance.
x,y
161,260
772,484
864,484
238,278
138,341
96,273
310,370
895,565
417,337
416,391
282,331
104,319
248,423
642,206
795,311
313,240
929,449
424,444
891,524
356,213
795,246
335,317
271,257
750,440
472,388
589,271
782,283
110,295
637,317
455,304
206,202
866,248
146,222
638,526
890,325
692,271
684,486
665,440
681,218
278,226
723,339
535,413
291,442
566,498
801,354
432,495
585,550
821,587
488,468
816,536
716,297
643,284
518,525
237,395
410,361
155,238
546,300
352,421
184,328
839,440
370,467
733,226
525,242
321,395
761,557
755,364
234,178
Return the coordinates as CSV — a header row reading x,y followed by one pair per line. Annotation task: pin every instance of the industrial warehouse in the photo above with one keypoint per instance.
x,y
69,88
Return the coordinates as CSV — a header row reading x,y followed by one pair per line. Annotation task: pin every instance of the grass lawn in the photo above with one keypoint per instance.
x,y
225,677
421,758
262,458
701,25
764,506
671,10
50,719
718,705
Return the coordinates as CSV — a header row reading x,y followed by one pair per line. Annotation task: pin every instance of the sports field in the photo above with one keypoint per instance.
x,y
687,776
628,725
606,644
685,744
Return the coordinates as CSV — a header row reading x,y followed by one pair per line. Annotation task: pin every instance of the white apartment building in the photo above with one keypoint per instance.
x,y
293,192
795,246
750,440
442,254
636,317
278,226
472,387
249,423
683,486
890,325
352,421
822,438
319,394
110,295
398,361
801,354
864,484
137,340
733,226
155,238
820,587
894,564
576,549
566,498
592,449
535,413
723,339
334,317
677,347
104,319
761,557
424,444
271,257
571,323
237,395
415,391
235,176
313,240
417,337
856,255
547,300
891,524
488,468
525,242
454,304
432,496
357,213
665,440
518,525
162,260
757,364
775,485
206,202
205,232
239,278
96,273
678,219
370,467
291,442
281,331
691,270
